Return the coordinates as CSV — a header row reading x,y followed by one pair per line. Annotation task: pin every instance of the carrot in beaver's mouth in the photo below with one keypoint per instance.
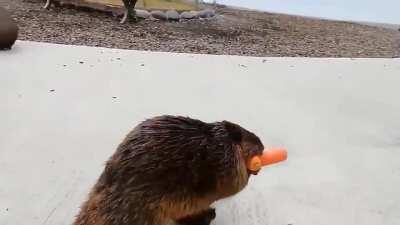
x,y
269,156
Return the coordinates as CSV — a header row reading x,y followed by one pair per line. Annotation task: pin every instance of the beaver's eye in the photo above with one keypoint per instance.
x,y
254,152
251,152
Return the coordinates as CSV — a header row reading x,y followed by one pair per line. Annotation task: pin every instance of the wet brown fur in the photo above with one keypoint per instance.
x,y
170,168
8,30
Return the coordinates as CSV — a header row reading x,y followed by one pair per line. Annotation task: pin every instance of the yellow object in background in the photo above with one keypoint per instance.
x,y
179,5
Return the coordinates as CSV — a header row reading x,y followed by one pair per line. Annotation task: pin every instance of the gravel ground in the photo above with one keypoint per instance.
x,y
233,31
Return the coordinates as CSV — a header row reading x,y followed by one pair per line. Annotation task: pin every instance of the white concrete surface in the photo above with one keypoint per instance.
x,y
339,119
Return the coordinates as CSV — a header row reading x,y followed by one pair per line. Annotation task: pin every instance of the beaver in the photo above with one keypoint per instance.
x,y
171,168
8,30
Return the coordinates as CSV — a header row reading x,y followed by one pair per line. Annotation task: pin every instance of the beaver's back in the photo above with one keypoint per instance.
x,y
171,154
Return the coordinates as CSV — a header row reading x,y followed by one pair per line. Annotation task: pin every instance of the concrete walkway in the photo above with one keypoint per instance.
x,y
64,109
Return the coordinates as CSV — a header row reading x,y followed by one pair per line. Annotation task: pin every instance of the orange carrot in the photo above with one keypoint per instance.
x,y
268,157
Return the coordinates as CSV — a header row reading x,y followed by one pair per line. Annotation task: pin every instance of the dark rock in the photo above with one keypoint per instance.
x,y
8,30
188,15
172,15
159,15
275,25
144,14
195,13
207,13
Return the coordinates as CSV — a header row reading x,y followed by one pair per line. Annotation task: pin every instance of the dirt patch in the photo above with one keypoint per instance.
x,y
236,32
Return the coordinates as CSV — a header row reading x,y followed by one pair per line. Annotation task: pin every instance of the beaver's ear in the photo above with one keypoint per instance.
x,y
234,131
